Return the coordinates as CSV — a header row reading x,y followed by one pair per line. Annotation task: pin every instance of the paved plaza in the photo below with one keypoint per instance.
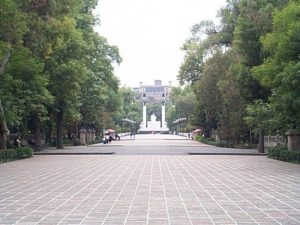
x,y
149,189
150,145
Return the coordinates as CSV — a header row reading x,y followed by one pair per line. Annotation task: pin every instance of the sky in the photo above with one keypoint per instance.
x,y
150,33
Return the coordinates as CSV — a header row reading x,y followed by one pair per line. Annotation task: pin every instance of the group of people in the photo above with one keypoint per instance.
x,y
18,142
108,137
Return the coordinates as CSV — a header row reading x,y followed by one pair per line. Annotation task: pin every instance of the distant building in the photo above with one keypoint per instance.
x,y
153,93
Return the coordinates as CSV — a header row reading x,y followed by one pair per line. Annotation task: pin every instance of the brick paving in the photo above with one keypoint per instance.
x,y
149,189
150,145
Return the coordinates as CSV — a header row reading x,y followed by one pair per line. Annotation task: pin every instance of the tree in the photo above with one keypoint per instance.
x,y
130,108
208,92
181,104
25,89
280,70
53,64
218,64
258,117
231,123
12,29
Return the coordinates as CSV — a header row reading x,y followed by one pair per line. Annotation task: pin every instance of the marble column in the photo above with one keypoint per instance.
x,y
163,115
144,116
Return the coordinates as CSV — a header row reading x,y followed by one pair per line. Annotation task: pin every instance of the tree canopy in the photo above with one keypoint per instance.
x,y
55,70
243,67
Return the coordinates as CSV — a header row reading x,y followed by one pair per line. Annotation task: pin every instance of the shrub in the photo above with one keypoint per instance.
x,y
76,142
13,154
283,154
211,141
93,142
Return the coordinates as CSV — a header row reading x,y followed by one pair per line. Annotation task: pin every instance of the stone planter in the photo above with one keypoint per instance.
x,y
293,140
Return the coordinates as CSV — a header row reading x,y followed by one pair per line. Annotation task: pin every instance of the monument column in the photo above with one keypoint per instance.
x,y
144,115
163,115
163,111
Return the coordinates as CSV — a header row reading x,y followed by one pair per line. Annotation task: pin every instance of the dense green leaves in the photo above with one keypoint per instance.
x,y
250,58
181,105
280,71
54,65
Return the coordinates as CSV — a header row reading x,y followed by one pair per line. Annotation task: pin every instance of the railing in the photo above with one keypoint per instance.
x,y
272,141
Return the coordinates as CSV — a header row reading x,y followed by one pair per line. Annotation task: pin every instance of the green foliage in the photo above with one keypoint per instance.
x,y
281,153
55,66
219,61
181,105
13,154
280,71
130,108
258,115
24,87
211,141
192,67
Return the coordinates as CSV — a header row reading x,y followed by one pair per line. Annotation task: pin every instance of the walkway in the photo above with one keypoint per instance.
x,y
149,189
151,145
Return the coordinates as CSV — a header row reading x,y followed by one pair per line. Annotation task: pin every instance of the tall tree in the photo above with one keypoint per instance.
x,y
280,70
181,104
12,28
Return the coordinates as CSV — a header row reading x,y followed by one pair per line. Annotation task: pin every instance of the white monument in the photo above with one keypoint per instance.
x,y
153,125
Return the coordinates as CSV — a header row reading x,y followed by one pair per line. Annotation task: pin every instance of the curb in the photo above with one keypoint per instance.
x,y
227,153
74,153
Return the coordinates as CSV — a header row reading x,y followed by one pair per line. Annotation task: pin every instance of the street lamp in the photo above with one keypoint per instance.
x,y
131,122
178,123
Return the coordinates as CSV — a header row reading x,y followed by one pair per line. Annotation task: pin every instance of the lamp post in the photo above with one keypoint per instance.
x,y
130,122
178,124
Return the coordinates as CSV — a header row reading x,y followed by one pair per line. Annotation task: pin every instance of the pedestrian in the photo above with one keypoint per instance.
x,y
117,137
106,138
17,142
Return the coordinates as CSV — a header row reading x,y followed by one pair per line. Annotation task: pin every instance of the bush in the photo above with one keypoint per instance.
x,y
211,141
283,154
93,142
13,154
76,142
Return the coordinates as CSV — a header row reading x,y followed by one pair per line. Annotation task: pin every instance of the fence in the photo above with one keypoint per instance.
x,y
272,141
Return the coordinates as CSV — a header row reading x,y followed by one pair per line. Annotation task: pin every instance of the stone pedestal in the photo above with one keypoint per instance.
x,y
163,116
293,140
88,136
82,133
93,135
216,136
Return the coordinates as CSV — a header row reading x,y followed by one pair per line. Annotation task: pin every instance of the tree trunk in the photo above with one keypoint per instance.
x,y
37,135
3,125
4,61
3,129
59,131
261,147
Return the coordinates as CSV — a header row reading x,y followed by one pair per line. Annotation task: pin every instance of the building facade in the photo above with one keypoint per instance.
x,y
153,93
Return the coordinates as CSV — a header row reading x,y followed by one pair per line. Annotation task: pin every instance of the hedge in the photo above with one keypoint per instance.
x,y
283,154
211,141
13,154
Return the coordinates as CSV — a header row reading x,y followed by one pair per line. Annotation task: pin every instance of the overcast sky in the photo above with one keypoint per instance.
x,y
149,34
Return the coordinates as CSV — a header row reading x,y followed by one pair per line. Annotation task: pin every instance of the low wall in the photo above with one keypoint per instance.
x,y
272,141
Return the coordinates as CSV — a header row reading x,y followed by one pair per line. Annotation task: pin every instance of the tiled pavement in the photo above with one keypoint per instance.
x,y
150,145
149,189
